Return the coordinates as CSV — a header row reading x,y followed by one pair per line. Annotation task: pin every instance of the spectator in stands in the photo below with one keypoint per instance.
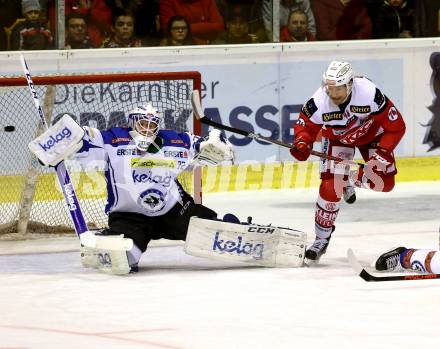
x,y
76,32
341,20
237,28
97,14
44,10
11,10
253,10
203,15
146,18
31,34
297,28
428,18
394,19
123,32
178,32
286,6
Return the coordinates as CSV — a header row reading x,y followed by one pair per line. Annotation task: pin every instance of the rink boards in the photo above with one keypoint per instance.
x,y
244,176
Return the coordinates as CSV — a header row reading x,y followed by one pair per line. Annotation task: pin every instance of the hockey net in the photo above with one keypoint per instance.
x,y
31,201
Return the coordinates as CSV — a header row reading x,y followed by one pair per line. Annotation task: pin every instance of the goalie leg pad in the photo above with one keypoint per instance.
x,y
253,244
94,239
113,262
106,261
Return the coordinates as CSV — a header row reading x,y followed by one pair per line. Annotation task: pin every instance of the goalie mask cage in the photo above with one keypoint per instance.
x,y
31,201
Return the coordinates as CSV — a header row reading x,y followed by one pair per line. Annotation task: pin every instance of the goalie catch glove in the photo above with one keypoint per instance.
x,y
215,149
58,142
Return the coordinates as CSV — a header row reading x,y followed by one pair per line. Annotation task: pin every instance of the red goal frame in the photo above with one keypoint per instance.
x,y
119,77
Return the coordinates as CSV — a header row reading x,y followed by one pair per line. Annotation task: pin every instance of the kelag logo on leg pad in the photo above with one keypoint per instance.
x,y
238,247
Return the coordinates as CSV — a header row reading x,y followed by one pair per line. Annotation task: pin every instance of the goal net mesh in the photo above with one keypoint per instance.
x,y
31,200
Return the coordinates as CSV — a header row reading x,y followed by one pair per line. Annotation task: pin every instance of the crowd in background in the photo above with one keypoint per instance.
x,y
32,24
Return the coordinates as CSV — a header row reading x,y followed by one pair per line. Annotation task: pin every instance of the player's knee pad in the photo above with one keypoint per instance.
x,y
388,183
330,189
374,180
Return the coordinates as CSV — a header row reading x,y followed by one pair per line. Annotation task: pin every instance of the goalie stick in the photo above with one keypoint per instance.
x,y
86,237
364,274
31,178
198,112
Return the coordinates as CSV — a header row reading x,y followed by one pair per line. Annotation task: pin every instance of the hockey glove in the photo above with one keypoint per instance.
x,y
380,160
215,149
302,147
58,142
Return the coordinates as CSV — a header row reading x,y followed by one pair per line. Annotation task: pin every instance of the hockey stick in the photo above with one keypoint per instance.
x,y
364,274
86,237
198,112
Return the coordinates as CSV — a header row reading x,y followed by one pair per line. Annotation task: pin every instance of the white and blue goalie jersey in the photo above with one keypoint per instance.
x,y
137,181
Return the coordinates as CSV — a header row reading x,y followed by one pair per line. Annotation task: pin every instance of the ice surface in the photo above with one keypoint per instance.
x,y
47,300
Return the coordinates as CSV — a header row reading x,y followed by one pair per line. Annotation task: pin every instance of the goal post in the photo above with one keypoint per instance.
x,y
31,200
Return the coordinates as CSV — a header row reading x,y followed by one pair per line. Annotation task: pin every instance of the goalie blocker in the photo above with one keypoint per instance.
x,y
253,244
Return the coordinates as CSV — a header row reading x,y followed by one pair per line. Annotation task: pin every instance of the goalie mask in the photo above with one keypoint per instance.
x,y
145,124
338,81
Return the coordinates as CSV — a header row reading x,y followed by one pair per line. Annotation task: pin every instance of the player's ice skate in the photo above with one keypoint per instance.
x,y
349,194
390,261
318,248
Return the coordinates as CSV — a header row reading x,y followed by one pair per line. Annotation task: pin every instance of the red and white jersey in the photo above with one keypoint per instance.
x,y
366,114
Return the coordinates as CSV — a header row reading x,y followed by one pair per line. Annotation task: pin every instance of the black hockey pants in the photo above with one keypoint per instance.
x,y
172,225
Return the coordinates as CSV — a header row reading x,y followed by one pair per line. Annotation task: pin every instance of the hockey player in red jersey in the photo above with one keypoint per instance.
x,y
351,112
